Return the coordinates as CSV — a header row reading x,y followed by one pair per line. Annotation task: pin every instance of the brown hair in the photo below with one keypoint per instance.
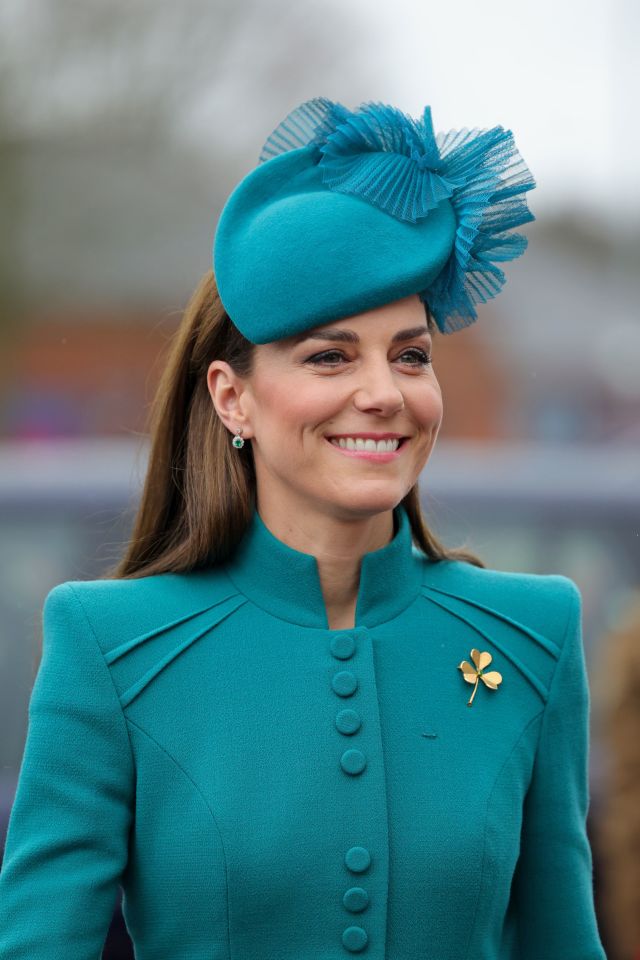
x,y
199,490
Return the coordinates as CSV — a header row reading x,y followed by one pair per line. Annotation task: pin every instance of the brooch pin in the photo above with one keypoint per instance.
x,y
473,674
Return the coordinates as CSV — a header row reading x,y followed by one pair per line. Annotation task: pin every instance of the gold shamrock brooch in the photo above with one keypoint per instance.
x,y
473,674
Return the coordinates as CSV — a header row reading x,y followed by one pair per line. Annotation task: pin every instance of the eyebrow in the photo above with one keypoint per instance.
x,y
350,336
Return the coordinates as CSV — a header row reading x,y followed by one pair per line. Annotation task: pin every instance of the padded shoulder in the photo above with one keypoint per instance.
x,y
525,616
555,591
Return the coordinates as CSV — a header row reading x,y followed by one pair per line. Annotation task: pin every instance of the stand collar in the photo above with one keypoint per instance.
x,y
286,582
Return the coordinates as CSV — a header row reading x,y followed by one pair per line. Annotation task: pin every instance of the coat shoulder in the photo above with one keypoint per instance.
x,y
505,586
527,616
534,595
123,613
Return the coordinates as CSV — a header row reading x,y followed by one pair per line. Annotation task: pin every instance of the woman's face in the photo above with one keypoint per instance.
x,y
362,377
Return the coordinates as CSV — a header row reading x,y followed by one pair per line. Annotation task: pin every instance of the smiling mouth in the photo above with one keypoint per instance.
x,y
367,445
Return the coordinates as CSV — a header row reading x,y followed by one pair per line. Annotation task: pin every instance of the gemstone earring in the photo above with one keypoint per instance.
x,y
237,440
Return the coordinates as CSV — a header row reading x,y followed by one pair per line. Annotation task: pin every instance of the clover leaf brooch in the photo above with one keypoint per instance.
x,y
475,673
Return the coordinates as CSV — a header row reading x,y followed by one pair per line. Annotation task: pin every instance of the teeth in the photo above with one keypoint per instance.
x,y
357,443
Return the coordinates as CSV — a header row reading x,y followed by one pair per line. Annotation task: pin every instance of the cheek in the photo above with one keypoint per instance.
x,y
280,404
425,405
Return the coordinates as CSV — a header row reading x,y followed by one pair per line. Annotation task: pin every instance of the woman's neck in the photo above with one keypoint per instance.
x,y
338,546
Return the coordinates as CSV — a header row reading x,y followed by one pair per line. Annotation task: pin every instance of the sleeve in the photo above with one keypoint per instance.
x,y
552,889
67,837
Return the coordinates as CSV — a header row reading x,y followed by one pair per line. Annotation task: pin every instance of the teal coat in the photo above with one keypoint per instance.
x,y
264,788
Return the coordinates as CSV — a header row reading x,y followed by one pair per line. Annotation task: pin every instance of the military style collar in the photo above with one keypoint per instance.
x,y
286,582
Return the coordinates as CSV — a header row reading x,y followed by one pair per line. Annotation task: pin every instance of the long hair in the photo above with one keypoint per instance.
x,y
199,491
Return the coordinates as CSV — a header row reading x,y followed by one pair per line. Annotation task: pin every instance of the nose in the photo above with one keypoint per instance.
x,y
377,388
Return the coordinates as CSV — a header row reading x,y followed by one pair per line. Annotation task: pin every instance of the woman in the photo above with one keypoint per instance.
x,y
262,724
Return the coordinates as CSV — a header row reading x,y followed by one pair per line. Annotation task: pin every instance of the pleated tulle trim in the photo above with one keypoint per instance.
x,y
397,163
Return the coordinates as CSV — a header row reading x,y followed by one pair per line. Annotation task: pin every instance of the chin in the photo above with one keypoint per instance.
x,y
363,502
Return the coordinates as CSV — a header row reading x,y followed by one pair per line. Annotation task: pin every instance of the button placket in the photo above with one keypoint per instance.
x,y
352,762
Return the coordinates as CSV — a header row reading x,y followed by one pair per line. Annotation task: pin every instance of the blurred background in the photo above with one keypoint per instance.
x,y
124,125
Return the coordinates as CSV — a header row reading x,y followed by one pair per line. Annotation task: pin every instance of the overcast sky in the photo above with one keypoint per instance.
x,y
562,75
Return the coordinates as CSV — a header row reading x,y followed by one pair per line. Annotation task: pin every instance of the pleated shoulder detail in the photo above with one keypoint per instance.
x,y
206,619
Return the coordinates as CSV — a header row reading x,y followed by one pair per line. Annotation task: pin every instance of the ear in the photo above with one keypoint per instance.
x,y
230,395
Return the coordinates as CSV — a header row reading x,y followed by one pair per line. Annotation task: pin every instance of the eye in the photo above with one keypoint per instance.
x,y
423,357
322,359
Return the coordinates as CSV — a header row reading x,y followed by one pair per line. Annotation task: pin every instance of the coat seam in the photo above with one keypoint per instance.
x,y
563,648
207,805
486,816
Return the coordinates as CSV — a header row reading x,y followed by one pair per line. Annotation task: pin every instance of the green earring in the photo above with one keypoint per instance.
x,y
237,440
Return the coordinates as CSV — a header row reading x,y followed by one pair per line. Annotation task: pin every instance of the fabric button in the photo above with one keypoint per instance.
x,y
355,899
354,939
353,761
342,646
357,859
344,683
348,721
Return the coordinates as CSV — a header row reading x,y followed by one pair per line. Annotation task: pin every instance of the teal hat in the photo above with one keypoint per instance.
x,y
349,210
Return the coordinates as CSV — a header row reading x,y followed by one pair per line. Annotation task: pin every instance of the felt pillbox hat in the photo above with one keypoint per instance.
x,y
349,210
